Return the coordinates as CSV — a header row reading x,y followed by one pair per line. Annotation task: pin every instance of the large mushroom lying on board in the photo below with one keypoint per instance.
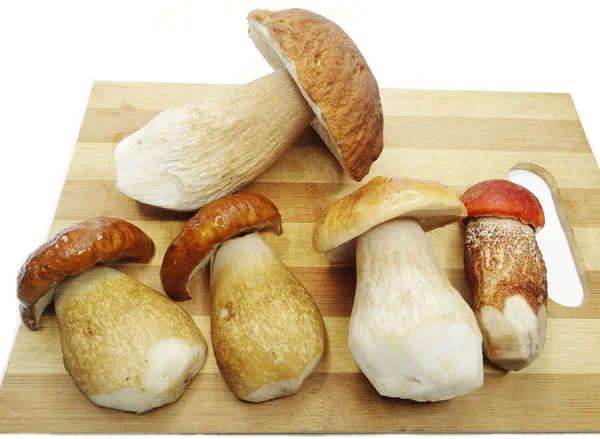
x,y
506,271
188,156
411,333
126,346
72,251
267,332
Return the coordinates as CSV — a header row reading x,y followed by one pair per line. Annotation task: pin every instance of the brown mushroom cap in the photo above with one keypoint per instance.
x,y
215,223
504,199
431,204
73,251
334,78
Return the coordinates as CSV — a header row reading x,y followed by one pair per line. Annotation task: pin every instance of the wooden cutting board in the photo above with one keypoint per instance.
x,y
458,138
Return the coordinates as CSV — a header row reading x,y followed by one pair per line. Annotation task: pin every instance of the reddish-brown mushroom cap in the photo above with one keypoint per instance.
x,y
73,251
332,75
215,223
504,199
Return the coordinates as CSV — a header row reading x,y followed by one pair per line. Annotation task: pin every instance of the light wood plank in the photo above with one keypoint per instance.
x,y
583,205
108,126
333,289
397,102
294,246
326,403
314,164
556,358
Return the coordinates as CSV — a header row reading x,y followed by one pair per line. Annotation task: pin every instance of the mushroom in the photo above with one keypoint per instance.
x,y
126,346
72,251
506,271
411,333
200,236
186,157
267,332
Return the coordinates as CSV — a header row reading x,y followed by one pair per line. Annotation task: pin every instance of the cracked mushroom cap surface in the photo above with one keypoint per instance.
x,y
334,78
504,199
382,199
73,251
212,225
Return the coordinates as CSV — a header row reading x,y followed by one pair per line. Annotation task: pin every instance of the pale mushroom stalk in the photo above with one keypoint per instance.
x,y
407,313
219,145
267,332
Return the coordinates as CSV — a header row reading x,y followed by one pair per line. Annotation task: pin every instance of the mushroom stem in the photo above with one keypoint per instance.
x,y
267,333
191,155
508,280
411,332
126,346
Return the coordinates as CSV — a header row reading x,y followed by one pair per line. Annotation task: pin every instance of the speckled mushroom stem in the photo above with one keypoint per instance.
x,y
267,332
126,346
507,275
506,271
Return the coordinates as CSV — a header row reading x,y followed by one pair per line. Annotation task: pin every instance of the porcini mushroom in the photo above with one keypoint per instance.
x,y
73,251
189,156
267,332
126,346
411,333
506,271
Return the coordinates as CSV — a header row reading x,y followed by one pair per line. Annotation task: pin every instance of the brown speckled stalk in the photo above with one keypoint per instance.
x,y
266,328
503,261
109,323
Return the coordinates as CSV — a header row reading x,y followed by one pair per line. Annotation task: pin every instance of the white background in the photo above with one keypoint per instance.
x,y
52,51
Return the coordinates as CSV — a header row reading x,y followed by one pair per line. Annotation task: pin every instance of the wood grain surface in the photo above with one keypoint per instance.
x,y
457,138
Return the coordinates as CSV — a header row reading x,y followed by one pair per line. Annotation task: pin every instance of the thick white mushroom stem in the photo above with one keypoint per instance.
x,y
267,332
188,156
411,332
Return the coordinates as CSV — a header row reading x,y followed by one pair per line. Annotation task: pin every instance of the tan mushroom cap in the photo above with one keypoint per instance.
x,y
430,203
212,225
334,78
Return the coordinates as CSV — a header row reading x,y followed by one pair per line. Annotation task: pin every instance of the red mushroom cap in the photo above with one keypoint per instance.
x,y
504,199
